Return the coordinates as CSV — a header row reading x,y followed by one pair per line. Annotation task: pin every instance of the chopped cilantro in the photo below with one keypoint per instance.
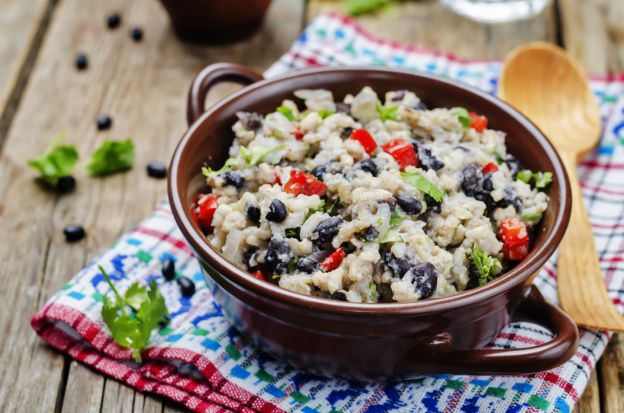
x,y
132,318
249,156
487,266
112,157
423,185
532,217
395,219
292,232
356,7
311,212
390,236
373,290
276,277
292,264
286,111
323,113
542,179
524,176
387,112
334,206
57,162
462,116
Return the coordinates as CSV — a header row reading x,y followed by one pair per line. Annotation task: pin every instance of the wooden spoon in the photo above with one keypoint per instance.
x,y
543,82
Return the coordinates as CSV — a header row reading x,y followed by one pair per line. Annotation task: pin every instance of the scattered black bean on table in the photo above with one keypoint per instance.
x,y
156,170
74,233
137,34
104,122
113,20
65,184
168,269
82,61
187,287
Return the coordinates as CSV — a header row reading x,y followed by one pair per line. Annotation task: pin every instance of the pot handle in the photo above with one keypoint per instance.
x,y
514,361
211,75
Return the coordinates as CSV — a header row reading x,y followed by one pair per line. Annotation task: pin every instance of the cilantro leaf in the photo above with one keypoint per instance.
x,y
524,176
423,185
487,266
286,111
320,208
333,207
390,236
249,156
543,179
58,162
532,216
112,157
462,116
373,291
387,112
395,219
356,7
208,172
292,232
323,113
132,318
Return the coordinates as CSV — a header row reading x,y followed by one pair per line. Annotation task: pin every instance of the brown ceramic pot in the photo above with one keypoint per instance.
x,y
215,21
373,341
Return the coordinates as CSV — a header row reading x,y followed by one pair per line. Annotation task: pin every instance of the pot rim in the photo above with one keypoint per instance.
x,y
519,274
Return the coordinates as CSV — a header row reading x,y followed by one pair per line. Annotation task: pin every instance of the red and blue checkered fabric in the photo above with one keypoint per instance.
x,y
202,363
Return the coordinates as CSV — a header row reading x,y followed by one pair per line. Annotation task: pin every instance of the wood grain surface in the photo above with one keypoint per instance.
x,y
143,86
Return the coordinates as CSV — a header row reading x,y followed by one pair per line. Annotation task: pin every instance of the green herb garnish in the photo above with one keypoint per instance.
x,y
524,176
132,318
112,157
292,232
540,179
320,208
462,116
323,113
292,264
286,111
487,266
276,277
373,291
390,236
395,219
387,112
356,7
57,162
423,185
532,217
249,156
333,207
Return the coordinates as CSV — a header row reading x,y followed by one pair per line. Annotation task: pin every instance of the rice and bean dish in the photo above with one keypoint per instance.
x,y
372,199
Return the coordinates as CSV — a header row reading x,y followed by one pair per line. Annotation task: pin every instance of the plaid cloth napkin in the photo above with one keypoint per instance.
x,y
201,362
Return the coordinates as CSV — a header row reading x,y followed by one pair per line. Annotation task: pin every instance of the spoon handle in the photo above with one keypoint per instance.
x,y
582,291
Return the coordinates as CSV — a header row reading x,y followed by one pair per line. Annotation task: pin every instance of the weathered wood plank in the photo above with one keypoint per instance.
x,y
594,34
22,25
143,86
427,23
612,376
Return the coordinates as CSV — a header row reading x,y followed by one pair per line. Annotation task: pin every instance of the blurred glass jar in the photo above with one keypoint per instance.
x,y
497,11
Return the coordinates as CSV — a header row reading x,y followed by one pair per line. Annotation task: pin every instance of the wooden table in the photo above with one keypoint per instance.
x,y
143,86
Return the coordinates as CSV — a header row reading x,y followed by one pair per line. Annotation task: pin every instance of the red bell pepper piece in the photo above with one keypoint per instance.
x,y
206,206
302,183
333,260
515,239
298,134
489,168
478,122
258,274
403,153
365,138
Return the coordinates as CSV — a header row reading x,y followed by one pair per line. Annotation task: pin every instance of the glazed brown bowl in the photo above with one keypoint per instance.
x,y
373,341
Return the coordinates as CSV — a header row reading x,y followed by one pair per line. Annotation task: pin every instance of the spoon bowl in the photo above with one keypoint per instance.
x,y
544,83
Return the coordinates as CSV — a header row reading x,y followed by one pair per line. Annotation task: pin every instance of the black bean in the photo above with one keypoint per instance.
x,y
137,34
65,184
432,204
424,279
346,132
338,295
168,269
233,178
385,293
409,204
104,122
319,171
74,233
513,165
308,265
368,165
371,234
82,61
248,256
278,252
253,213
343,107
487,200
250,120
328,229
486,184
473,277
470,178
510,198
419,106
398,266
156,170
277,211
426,158
398,95
187,286
113,20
